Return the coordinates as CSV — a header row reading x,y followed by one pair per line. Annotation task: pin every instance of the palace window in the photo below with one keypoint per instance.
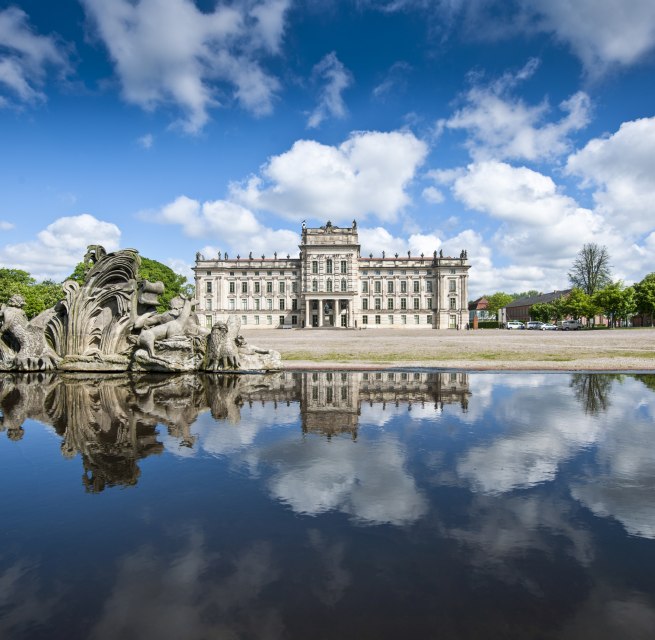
x,y
256,319
244,287
428,319
403,303
257,302
390,286
378,319
403,319
344,266
314,285
208,286
281,301
328,286
389,303
417,303
364,319
230,304
244,319
269,303
244,304
258,287
453,303
281,319
416,319
452,285
378,286
344,284
428,286
208,322
428,303
378,303
269,319
294,287
417,286
365,304
294,319
231,287
269,287
390,319
208,304
281,287
328,266
364,286
403,286
314,266
294,304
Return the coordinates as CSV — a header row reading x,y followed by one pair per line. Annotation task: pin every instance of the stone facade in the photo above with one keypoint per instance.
x,y
332,285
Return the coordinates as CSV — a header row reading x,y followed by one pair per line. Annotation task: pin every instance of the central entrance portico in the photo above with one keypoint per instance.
x,y
330,276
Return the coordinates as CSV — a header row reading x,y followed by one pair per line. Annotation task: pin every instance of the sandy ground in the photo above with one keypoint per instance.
x,y
602,350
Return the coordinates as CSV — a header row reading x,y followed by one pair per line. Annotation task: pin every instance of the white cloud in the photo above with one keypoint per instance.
x,y
601,32
236,227
395,80
622,167
337,79
168,51
25,59
365,175
60,246
146,141
432,195
502,126
6,226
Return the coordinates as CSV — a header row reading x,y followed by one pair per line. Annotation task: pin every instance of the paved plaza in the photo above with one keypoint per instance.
x,y
600,350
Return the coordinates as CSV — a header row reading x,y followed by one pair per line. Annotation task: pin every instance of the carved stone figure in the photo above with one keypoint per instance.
x,y
24,340
222,353
110,323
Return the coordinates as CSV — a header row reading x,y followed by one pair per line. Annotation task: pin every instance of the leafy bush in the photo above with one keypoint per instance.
x,y
488,324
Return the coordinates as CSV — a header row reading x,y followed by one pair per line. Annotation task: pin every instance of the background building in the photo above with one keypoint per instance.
x,y
520,309
332,285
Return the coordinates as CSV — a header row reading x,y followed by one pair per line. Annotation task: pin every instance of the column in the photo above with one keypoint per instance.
x,y
308,317
320,313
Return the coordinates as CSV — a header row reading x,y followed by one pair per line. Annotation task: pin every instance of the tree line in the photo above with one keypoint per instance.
x,y
594,293
40,296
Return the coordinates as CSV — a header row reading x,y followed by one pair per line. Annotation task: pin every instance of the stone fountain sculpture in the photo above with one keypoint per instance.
x,y
110,323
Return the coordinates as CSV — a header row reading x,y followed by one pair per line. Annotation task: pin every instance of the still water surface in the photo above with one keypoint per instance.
x,y
328,505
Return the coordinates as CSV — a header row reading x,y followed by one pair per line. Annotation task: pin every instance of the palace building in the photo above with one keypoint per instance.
x,y
331,285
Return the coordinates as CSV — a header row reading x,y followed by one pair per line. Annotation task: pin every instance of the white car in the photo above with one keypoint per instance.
x,y
569,325
534,324
515,324
548,327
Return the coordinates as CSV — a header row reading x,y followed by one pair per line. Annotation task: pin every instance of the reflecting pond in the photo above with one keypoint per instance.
x,y
328,505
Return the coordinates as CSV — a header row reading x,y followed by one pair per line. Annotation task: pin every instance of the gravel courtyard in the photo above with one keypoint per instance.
x,y
602,350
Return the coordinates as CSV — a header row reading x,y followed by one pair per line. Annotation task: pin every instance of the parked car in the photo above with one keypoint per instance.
x,y
548,327
534,325
569,325
515,324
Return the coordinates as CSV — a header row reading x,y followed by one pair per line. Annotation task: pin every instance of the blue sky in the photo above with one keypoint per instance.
x,y
515,129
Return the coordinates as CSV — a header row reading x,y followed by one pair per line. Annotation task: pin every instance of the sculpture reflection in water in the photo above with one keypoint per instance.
x,y
112,422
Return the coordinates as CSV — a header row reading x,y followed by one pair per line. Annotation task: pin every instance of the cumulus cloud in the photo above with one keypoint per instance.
x,y
432,195
236,227
602,33
366,175
170,52
501,126
621,167
337,79
25,59
6,226
60,246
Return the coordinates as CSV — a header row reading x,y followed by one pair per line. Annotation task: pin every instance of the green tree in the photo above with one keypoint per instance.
x,y
497,301
38,296
580,305
541,311
525,294
645,296
616,301
591,268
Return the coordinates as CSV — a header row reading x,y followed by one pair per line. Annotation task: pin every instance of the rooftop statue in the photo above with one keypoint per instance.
x,y
110,323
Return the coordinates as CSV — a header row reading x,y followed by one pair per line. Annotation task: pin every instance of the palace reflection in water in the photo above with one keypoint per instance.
x,y
112,421
377,504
